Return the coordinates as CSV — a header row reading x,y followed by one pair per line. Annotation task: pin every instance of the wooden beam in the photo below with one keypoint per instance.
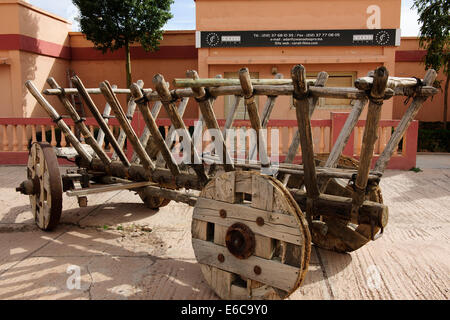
x,y
265,115
321,81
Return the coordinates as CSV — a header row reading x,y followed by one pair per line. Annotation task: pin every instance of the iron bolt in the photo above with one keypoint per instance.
x,y
257,270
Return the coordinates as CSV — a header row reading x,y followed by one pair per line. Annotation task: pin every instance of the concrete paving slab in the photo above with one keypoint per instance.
x,y
126,251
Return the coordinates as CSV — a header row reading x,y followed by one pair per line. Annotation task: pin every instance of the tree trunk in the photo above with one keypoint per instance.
x,y
128,64
446,101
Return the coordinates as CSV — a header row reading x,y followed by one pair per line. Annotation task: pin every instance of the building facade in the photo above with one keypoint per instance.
x,y
346,38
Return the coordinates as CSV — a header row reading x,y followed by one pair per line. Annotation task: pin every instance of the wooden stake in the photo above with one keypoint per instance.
x,y
249,100
130,113
98,117
370,137
154,131
106,89
407,118
268,107
106,113
80,123
169,106
146,134
59,122
301,103
210,120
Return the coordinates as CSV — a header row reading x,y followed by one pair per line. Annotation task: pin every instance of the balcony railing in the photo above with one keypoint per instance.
x,y
17,134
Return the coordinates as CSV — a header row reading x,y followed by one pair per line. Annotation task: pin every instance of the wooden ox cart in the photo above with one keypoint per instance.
x,y
251,231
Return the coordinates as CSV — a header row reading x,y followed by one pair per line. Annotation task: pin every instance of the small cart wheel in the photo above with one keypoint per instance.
x,y
46,200
338,235
250,237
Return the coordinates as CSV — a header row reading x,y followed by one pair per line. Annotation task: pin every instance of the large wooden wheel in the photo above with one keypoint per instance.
x,y
250,237
336,234
43,171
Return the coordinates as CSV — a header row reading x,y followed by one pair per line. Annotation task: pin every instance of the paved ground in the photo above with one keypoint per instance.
x,y
152,258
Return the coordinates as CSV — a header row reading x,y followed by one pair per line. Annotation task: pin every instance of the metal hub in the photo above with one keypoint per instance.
x,y
240,241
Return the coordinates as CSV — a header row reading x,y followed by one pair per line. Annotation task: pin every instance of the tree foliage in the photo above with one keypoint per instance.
x,y
114,24
434,16
111,24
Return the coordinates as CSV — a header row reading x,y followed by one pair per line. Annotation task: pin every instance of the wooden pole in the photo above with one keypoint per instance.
x,y
268,107
147,163
255,120
321,81
301,104
151,150
154,131
59,122
169,106
130,113
407,118
105,115
210,119
370,137
146,134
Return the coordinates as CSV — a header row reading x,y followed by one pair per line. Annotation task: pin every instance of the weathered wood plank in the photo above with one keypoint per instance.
x,y
225,187
262,193
276,225
273,273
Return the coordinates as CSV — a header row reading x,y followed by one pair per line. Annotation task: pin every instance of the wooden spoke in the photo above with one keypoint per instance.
x,y
46,203
250,237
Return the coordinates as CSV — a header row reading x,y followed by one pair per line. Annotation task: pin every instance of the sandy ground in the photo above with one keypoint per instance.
x,y
124,251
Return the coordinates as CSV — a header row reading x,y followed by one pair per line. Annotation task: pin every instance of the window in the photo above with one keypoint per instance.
x,y
344,79
241,112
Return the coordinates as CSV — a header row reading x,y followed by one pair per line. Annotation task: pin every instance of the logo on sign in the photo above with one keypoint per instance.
x,y
212,39
382,37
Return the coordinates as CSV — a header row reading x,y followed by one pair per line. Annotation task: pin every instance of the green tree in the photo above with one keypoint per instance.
x,y
114,24
434,38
